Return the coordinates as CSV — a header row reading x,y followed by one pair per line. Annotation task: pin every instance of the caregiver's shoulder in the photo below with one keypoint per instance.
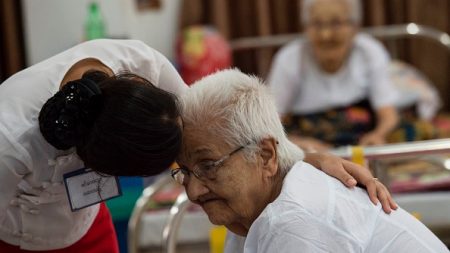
x,y
117,42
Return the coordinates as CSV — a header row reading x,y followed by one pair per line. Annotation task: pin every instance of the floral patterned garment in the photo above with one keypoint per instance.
x,y
338,126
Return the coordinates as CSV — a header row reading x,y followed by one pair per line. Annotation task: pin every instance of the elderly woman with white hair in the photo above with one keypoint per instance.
x,y
332,85
239,166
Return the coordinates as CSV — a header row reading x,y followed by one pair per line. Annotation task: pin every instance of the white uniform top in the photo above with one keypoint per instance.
x,y
301,87
316,213
34,209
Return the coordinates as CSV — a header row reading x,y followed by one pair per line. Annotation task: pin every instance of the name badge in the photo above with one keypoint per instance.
x,y
85,188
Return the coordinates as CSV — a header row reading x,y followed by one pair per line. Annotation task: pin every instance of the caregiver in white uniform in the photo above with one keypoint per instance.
x,y
115,124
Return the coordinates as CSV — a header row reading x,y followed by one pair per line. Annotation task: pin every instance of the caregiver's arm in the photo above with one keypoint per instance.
x,y
350,174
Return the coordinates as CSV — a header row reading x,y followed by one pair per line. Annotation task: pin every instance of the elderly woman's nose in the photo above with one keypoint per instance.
x,y
325,33
195,188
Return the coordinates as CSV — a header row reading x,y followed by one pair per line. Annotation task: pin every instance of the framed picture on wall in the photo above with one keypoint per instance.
x,y
148,4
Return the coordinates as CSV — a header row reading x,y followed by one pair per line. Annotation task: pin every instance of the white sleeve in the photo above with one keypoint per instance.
x,y
13,166
381,91
170,80
283,82
137,57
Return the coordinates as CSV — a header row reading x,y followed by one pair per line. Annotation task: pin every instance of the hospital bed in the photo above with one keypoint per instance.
x,y
186,225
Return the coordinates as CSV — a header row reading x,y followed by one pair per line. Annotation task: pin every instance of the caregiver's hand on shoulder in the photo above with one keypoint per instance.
x,y
350,174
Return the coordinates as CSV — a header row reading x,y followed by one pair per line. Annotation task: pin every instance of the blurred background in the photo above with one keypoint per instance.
x,y
211,32
35,30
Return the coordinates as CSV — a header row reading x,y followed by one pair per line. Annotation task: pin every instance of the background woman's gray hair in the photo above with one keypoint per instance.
x,y
355,14
240,110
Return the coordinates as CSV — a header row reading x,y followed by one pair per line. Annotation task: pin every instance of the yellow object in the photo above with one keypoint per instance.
x,y
358,155
217,237
193,42
174,166
417,215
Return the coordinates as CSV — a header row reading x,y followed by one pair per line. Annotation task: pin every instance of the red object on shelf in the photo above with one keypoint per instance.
x,y
201,50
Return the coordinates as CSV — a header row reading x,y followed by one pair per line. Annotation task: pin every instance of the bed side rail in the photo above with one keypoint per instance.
x,y
390,32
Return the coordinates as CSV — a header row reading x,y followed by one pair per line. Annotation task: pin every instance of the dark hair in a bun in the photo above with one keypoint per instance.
x,y
121,125
70,113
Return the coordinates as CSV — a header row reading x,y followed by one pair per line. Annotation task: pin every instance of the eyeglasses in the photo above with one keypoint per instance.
x,y
202,170
333,24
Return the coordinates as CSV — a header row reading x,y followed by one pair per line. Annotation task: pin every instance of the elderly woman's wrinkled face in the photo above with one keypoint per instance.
x,y
231,192
331,32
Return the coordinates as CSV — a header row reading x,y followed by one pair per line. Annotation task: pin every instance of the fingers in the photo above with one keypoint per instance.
x,y
350,182
371,141
336,167
376,190
364,142
383,197
371,188
379,192
353,173
344,176
392,203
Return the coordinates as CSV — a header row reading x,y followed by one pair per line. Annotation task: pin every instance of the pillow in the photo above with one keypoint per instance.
x,y
415,89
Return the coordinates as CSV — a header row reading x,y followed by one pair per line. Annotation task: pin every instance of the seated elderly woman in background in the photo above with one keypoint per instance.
x,y
332,86
238,164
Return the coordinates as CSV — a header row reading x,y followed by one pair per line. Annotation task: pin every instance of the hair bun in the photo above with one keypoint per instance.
x,y
69,115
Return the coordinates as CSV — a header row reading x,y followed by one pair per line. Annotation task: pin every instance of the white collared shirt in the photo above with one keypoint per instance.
x,y
34,208
316,213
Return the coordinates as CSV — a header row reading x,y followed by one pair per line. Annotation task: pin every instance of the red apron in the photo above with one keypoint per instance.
x,y
100,238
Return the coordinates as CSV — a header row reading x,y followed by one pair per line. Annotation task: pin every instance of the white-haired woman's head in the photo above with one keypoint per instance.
x,y
330,26
240,110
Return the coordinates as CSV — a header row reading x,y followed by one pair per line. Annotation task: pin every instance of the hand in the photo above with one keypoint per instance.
x,y
309,144
372,138
350,174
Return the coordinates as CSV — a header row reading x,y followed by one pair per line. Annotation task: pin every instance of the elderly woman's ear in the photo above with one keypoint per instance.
x,y
269,156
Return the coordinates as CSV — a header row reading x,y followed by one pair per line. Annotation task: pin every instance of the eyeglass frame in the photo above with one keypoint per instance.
x,y
334,25
198,172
